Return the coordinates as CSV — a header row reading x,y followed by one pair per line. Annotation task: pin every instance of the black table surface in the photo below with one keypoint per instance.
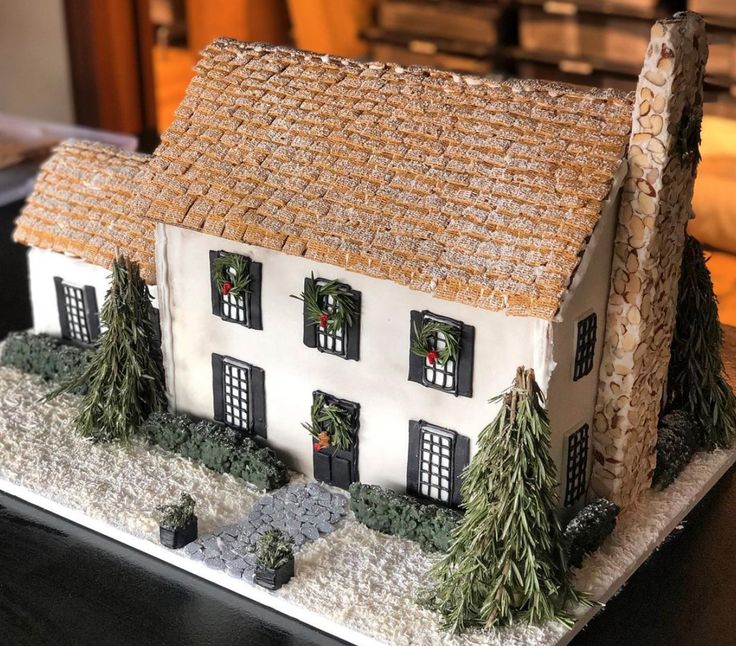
x,y
62,584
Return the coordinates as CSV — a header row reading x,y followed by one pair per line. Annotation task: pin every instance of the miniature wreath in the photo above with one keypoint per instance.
x,y
338,314
231,275
424,342
329,425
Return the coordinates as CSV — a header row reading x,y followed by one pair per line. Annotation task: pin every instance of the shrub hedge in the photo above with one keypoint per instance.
x,y
386,511
587,530
44,355
218,447
677,440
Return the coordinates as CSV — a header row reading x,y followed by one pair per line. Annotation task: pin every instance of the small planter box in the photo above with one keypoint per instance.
x,y
176,538
274,579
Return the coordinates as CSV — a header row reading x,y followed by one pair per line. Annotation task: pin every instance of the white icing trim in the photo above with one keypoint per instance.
x,y
165,309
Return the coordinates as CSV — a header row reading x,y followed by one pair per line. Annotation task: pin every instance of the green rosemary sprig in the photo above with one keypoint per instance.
x,y
231,275
335,316
507,560
424,341
124,378
331,419
696,381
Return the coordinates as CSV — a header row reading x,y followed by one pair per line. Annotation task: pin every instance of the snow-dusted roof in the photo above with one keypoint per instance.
x,y
80,206
476,191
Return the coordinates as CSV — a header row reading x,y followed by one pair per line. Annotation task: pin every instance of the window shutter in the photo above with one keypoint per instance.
x,y
412,462
465,363
416,363
61,306
258,401
93,314
460,461
217,387
216,302
255,270
352,351
310,329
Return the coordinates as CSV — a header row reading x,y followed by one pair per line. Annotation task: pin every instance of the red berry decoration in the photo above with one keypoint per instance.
x,y
316,446
226,287
323,320
432,357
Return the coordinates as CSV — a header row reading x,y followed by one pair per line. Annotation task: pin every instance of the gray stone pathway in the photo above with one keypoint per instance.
x,y
302,512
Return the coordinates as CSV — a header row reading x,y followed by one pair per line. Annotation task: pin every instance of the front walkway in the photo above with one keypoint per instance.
x,y
302,512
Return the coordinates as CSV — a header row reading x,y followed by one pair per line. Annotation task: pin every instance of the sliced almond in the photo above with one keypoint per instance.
x,y
655,77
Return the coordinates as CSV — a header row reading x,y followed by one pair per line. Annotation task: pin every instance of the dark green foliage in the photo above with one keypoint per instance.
x,y
507,560
218,447
386,511
422,343
678,437
47,356
329,424
177,515
696,381
232,268
687,142
587,530
336,317
274,549
124,376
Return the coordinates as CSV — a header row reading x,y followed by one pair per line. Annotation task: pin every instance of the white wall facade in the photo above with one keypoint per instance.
x,y
43,266
378,382
571,404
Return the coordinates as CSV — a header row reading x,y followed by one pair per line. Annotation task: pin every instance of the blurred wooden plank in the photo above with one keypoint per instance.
x,y
112,86
248,20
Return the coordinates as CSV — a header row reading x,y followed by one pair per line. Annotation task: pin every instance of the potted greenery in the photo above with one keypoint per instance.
x,y
275,560
177,522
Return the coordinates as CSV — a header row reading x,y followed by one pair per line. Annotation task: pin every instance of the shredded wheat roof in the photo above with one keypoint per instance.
x,y
79,206
475,191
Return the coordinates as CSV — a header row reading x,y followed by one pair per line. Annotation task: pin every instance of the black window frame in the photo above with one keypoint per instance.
x,y
576,464
256,395
459,460
351,333
463,373
586,337
251,300
87,296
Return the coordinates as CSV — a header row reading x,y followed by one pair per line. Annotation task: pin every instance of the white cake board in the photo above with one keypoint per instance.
x,y
685,504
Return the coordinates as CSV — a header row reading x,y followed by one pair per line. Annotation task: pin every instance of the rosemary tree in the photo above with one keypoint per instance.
x,y
124,379
506,562
696,381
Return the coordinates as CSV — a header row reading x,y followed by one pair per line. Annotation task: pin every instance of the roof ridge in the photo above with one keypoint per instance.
x,y
553,88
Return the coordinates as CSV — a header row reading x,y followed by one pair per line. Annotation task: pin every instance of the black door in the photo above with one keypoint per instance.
x,y
333,466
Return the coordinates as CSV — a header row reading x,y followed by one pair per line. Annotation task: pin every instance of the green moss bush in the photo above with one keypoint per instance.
x,y
217,447
388,512
587,530
47,356
678,437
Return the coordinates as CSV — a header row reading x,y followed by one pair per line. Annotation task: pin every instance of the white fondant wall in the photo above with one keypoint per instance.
x,y
43,266
292,371
572,403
